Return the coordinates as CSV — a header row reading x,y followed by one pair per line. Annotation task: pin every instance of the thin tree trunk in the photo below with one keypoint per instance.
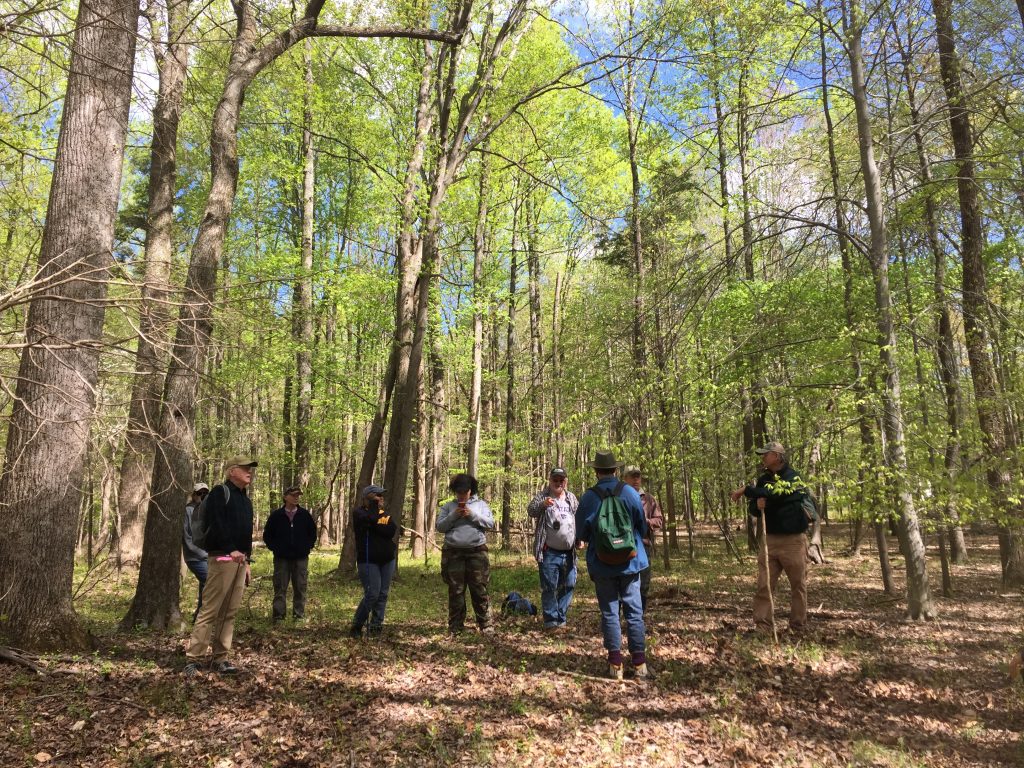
x,y
155,315
987,392
537,441
303,293
556,369
919,603
59,367
508,460
479,306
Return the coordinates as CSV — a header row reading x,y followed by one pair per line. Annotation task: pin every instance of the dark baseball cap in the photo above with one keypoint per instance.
x,y
558,472
372,489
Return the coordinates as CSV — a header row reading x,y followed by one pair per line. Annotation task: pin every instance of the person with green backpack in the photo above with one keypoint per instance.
x,y
610,519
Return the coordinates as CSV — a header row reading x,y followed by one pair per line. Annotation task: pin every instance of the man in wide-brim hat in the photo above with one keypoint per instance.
x,y
616,583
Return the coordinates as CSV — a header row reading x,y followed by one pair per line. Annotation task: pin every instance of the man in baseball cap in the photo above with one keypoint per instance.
x,y
554,546
777,497
229,519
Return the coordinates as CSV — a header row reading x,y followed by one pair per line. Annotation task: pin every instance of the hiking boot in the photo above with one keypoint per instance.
x,y
355,631
225,668
640,672
191,670
615,671
375,632
1015,666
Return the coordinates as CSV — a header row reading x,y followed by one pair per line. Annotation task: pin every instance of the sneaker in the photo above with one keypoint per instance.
x,y
225,668
615,671
641,672
1015,666
191,670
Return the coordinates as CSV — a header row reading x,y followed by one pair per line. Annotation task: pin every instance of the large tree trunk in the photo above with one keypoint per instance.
x,y
919,603
45,451
155,314
987,392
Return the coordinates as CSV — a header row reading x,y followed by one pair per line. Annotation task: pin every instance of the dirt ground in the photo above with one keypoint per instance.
x,y
859,688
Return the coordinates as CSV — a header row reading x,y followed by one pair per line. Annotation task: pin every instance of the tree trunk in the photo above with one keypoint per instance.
x,y
919,603
987,392
508,460
45,456
302,327
537,441
155,314
556,369
479,306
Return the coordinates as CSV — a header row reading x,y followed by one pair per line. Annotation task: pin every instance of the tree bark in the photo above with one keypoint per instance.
x,y
303,291
155,314
58,371
987,392
479,255
508,460
919,603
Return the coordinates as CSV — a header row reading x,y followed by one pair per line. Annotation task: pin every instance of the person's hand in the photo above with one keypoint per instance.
x,y
238,557
463,510
549,502
647,542
580,544
761,502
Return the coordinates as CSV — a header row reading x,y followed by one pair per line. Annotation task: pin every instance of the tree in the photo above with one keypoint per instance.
x,y
45,459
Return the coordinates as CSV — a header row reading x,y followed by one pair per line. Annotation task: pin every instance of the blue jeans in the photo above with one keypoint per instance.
x,y
557,581
376,579
201,570
613,591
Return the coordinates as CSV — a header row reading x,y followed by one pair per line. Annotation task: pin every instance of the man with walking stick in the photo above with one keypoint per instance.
x,y
777,499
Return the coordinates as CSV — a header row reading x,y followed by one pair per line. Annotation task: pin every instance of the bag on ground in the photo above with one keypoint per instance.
x,y
516,604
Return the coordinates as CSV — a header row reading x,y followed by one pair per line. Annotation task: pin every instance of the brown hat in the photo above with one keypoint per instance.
x,y
240,460
605,460
772,447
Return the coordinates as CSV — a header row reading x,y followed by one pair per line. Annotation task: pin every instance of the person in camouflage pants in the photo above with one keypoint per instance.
x,y
464,522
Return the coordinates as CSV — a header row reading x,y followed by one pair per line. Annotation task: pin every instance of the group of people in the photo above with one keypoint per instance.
x,y
616,521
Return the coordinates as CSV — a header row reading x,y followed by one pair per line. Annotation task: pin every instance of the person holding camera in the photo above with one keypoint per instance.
x,y
464,521
376,559
554,509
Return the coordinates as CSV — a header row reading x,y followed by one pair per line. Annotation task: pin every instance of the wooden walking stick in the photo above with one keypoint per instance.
x,y
768,573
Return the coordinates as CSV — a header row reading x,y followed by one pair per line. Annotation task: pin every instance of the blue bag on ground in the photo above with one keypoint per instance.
x,y
516,604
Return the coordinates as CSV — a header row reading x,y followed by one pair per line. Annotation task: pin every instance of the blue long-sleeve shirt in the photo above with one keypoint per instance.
x,y
586,518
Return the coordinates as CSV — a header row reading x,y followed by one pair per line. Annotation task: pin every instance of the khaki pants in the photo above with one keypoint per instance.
x,y
215,624
787,552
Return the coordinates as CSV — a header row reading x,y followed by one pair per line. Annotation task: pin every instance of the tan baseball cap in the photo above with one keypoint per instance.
x,y
241,460
772,447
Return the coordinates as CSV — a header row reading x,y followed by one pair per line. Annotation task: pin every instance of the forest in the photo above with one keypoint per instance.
x,y
391,242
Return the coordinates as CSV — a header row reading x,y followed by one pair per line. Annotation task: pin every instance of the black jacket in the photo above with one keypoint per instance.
x,y
291,539
375,536
230,524
785,492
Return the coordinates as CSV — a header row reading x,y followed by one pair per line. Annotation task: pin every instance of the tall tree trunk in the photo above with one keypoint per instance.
x,y
556,369
479,299
987,393
949,371
420,472
508,460
867,441
155,314
302,328
919,603
59,367
537,441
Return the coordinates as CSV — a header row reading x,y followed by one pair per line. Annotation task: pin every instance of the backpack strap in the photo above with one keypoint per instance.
x,y
603,493
227,493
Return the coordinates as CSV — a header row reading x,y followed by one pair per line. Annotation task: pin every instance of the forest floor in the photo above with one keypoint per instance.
x,y
861,688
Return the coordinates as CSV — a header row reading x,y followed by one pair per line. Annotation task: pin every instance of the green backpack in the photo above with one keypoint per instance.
x,y
613,531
